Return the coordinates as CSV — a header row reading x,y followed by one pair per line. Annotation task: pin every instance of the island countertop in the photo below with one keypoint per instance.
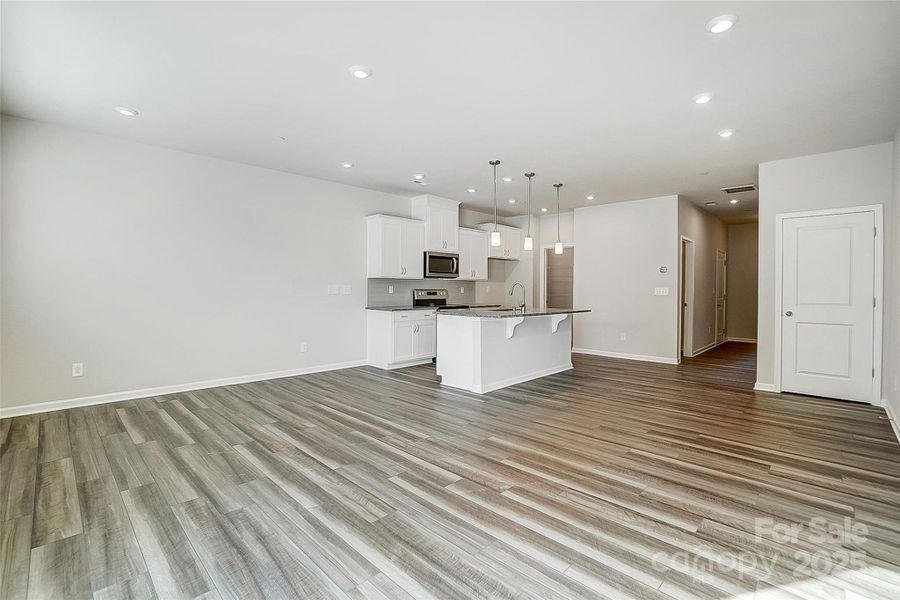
x,y
475,313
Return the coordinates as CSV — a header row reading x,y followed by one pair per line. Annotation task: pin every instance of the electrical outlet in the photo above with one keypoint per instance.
x,y
390,289
304,347
77,369
623,336
333,290
345,290
462,290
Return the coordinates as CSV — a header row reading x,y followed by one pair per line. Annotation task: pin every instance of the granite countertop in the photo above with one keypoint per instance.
x,y
393,308
511,313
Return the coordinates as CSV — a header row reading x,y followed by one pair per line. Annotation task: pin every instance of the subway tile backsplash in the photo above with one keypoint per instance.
x,y
377,291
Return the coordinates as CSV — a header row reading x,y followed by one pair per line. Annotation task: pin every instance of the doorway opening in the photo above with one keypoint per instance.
x,y
557,277
686,286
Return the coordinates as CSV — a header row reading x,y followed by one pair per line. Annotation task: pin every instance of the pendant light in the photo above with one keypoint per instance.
x,y
495,234
528,244
558,246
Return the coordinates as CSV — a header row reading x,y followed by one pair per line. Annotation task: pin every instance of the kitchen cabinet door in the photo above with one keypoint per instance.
x,y
413,250
404,341
512,243
425,341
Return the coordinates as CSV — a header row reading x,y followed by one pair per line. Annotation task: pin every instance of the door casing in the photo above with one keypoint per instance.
x,y
878,211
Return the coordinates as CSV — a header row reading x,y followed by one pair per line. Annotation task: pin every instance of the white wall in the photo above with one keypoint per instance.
x,y
618,251
890,388
743,277
709,234
155,267
855,177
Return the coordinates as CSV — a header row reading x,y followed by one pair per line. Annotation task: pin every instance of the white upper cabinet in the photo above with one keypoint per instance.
x,y
473,254
395,247
510,247
441,217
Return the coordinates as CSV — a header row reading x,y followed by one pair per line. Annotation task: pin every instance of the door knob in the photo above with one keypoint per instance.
x,y
789,314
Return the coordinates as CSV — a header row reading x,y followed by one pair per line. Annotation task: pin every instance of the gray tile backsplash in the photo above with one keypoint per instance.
x,y
377,291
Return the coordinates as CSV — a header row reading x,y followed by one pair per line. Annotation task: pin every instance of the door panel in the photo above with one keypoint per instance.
x,y
721,295
424,339
404,341
828,290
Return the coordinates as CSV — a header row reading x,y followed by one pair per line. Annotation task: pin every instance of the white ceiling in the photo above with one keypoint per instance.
x,y
595,95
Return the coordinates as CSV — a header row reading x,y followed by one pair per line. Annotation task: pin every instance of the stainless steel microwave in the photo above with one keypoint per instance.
x,y
442,265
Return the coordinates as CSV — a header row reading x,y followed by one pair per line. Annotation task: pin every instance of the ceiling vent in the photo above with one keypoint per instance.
x,y
737,189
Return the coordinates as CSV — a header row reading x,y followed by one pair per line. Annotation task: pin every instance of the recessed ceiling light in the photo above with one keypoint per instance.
x,y
419,176
734,201
543,210
726,133
710,203
512,200
471,190
590,197
360,71
507,179
126,112
347,165
702,98
721,24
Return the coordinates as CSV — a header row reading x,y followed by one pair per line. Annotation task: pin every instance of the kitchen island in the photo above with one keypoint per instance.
x,y
485,350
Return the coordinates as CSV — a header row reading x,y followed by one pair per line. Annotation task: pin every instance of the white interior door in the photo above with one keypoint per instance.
x,y
721,283
827,307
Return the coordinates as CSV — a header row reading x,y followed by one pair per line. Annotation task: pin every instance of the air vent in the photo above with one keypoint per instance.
x,y
737,189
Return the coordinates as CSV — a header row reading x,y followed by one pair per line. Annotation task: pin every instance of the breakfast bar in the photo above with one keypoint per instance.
x,y
485,350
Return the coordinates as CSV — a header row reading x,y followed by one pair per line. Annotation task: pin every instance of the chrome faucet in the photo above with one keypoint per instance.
x,y
524,294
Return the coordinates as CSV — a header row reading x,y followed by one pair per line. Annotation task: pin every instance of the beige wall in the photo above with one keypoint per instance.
x,y
855,177
743,272
619,249
155,267
709,234
890,388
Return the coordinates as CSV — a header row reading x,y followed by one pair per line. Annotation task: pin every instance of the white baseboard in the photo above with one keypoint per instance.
x,y
700,351
895,425
496,385
642,357
40,407
745,340
764,387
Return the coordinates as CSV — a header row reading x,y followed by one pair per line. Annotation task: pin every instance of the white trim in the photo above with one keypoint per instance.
x,y
642,357
764,387
744,340
40,407
688,341
543,250
709,346
878,210
496,385
724,329
895,425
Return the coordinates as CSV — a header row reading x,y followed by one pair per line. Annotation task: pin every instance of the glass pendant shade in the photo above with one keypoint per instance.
x,y
558,248
495,238
528,244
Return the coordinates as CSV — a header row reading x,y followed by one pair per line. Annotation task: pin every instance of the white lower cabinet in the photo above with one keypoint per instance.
x,y
400,338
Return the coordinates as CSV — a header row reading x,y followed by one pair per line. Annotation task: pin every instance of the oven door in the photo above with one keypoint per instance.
x,y
441,265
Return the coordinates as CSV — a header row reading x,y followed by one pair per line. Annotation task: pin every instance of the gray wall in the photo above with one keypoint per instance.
x,y
890,389
855,177
743,273
618,251
709,234
155,267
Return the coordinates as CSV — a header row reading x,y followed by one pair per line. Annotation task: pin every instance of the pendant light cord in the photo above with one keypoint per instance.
x,y
529,176
557,186
494,164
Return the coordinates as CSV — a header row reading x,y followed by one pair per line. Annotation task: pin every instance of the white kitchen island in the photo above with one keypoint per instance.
x,y
485,350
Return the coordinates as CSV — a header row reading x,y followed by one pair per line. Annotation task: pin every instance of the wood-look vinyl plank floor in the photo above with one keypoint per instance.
x,y
616,479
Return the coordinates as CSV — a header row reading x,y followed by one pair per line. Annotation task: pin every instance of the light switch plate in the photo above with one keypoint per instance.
x,y
345,290
390,289
333,290
660,291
